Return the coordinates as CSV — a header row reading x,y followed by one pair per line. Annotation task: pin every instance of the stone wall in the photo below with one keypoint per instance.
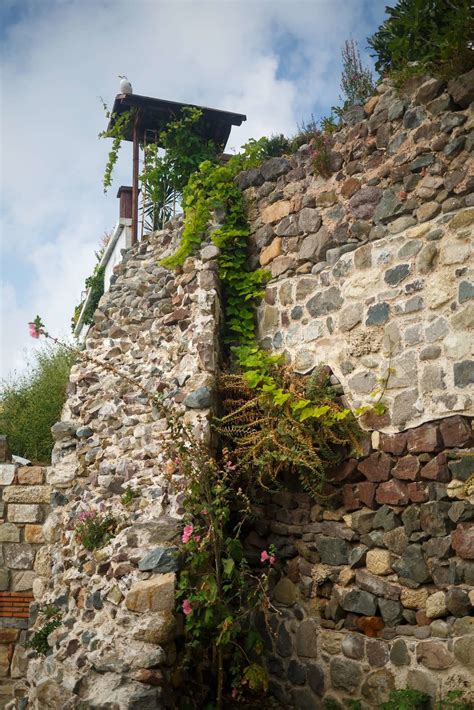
x,y
389,556
371,268
370,276
116,642
24,507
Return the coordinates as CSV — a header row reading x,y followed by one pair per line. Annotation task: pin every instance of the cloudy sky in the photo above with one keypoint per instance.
x,y
278,61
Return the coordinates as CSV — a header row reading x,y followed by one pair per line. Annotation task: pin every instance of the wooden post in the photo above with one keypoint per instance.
x,y
135,180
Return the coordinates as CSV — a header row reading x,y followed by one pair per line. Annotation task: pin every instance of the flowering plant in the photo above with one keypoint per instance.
x,y
218,590
94,529
356,82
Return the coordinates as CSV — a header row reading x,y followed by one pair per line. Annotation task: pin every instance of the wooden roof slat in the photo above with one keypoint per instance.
x,y
156,113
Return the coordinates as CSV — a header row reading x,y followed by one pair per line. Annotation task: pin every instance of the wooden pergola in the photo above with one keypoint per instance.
x,y
154,115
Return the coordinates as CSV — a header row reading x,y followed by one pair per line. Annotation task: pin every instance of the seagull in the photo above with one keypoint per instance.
x,y
125,85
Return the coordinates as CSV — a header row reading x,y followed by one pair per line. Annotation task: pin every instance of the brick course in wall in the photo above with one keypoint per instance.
x,y
25,505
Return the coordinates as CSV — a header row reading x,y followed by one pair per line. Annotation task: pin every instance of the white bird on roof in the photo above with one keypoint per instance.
x,y
125,85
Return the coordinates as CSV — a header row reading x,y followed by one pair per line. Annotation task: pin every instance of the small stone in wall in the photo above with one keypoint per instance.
x,y
412,565
379,561
376,467
378,314
359,602
458,602
392,493
413,598
345,675
333,551
462,540
436,605
434,655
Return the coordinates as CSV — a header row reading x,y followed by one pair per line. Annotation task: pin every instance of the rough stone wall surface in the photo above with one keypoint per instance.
x,y
372,268
115,647
389,557
24,507
369,270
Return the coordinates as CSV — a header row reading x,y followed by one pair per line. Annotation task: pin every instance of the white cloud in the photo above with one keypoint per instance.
x,y
63,54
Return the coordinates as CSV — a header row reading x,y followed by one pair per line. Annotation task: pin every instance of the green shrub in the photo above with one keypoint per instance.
x,y
406,699
94,530
436,34
39,640
30,404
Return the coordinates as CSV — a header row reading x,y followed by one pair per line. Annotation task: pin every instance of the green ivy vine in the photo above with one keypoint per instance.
x,y
122,124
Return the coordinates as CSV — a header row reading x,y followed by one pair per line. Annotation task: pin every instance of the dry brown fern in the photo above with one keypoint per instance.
x,y
267,440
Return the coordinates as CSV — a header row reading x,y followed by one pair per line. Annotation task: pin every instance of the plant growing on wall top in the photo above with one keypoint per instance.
x,y
356,82
425,35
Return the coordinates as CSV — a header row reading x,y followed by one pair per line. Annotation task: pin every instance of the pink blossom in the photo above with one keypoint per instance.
x,y
272,559
264,556
197,538
34,332
235,692
205,511
186,606
231,466
187,532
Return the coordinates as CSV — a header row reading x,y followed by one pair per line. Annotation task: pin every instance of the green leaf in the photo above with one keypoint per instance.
x,y
228,565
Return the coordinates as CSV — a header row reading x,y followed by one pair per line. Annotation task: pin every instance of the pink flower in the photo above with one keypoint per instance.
x,y
197,538
205,511
231,466
235,692
34,332
265,556
187,532
186,606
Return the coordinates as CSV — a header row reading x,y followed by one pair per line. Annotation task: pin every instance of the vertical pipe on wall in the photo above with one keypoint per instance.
x,y
135,180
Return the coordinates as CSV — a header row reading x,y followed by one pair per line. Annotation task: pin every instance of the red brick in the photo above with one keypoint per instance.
x,y
417,492
376,467
393,443
436,469
424,439
392,493
407,467
462,541
455,431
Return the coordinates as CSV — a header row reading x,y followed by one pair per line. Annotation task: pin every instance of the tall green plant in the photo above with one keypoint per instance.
x,y
436,34
30,404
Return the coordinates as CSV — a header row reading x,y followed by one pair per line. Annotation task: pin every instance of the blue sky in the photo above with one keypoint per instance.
x,y
278,61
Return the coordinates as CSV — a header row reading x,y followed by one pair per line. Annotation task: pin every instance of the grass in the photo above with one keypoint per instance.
x,y
31,403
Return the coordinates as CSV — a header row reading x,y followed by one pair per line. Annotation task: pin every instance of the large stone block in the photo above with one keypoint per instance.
x,y
9,533
7,473
155,594
19,555
27,494
30,475
19,513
